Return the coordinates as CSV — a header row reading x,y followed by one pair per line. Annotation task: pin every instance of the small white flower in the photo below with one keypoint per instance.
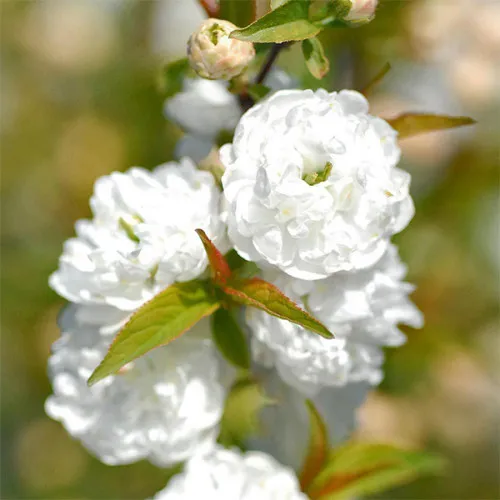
x,y
205,108
165,406
212,54
281,212
231,475
361,308
142,237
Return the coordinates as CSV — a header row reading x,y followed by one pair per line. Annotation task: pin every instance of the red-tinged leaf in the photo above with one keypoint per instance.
x,y
164,318
376,80
258,293
317,453
410,124
359,469
221,271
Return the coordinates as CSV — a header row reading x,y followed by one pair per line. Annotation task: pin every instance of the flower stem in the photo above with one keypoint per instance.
x,y
246,102
271,59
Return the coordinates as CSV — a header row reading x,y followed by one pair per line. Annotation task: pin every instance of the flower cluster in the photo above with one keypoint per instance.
x,y
311,193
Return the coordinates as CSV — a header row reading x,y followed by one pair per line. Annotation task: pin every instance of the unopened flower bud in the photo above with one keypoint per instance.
x,y
212,54
362,11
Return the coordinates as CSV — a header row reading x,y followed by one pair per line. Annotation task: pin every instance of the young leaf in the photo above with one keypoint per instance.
x,y
288,22
172,76
230,339
376,80
218,265
258,293
161,320
258,91
359,469
410,124
316,61
317,453
243,404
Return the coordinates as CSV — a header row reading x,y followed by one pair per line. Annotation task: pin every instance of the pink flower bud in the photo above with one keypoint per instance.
x,y
362,11
213,55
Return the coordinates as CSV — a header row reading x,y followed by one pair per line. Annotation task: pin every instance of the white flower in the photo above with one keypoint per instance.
x,y
142,237
205,108
212,54
165,406
231,475
279,211
361,308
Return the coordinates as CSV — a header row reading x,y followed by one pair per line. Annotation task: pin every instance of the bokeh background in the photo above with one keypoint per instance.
x,y
80,98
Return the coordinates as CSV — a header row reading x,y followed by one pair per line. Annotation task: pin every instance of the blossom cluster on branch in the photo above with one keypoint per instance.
x,y
308,191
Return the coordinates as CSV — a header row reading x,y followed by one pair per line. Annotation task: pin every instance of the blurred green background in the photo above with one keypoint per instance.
x,y
79,98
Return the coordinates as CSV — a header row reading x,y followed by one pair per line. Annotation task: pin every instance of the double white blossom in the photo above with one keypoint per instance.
x,y
361,308
231,475
312,184
165,406
142,236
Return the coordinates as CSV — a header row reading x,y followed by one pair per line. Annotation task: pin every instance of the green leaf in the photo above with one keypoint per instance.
x,y
359,469
316,61
257,91
230,339
172,76
317,453
221,272
240,267
376,79
258,293
289,22
239,12
410,124
243,405
161,320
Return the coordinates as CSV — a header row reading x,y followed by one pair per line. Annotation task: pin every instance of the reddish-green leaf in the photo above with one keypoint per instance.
x,y
317,452
230,339
410,124
258,293
164,318
218,264
359,469
376,80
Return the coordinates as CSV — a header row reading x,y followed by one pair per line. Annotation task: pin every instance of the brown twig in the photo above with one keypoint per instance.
x,y
271,59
